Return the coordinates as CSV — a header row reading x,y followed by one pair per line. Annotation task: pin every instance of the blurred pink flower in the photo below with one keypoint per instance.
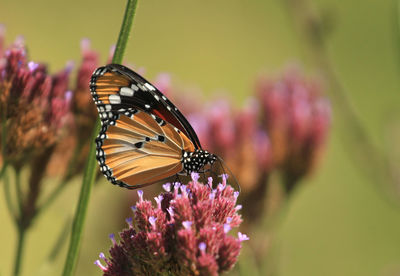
x,y
35,110
34,104
297,119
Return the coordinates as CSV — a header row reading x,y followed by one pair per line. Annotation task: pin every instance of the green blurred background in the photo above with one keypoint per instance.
x,y
338,222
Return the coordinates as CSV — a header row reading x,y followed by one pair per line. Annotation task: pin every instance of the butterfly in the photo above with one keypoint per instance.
x,y
144,138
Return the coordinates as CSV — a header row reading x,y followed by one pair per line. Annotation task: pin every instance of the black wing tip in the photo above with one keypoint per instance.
x,y
115,67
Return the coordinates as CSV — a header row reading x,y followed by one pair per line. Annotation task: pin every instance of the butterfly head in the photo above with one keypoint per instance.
x,y
196,160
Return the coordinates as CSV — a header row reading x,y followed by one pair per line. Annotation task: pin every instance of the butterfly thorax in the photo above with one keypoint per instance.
x,y
196,160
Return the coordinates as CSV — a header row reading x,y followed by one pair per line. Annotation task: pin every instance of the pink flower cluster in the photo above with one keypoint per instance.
x,y
297,119
186,233
34,104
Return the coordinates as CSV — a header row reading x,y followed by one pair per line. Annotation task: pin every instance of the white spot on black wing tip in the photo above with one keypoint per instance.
x,y
134,87
147,106
149,86
142,87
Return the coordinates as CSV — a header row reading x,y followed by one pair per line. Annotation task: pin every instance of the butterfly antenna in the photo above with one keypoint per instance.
x,y
229,174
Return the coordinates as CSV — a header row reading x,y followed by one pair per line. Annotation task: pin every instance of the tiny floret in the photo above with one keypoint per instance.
x,y
167,187
158,199
102,256
227,228
152,221
140,194
187,224
195,176
129,221
202,247
243,237
100,265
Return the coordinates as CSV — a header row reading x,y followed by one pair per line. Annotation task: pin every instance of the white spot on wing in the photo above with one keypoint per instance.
x,y
149,86
126,91
114,99
134,87
108,107
142,87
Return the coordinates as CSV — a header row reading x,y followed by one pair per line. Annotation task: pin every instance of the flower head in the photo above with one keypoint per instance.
x,y
34,104
297,119
188,235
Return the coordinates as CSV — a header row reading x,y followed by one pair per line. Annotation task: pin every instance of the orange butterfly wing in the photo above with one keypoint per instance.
x,y
140,149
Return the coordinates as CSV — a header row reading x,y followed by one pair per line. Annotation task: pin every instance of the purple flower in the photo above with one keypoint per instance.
x,y
188,235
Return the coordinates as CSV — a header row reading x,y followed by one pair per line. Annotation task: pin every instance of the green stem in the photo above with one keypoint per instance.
x,y
20,248
3,169
3,143
125,31
7,192
3,136
80,214
19,190
90,169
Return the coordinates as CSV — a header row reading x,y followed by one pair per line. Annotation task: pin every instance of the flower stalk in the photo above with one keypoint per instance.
x,y
20,249
90,169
